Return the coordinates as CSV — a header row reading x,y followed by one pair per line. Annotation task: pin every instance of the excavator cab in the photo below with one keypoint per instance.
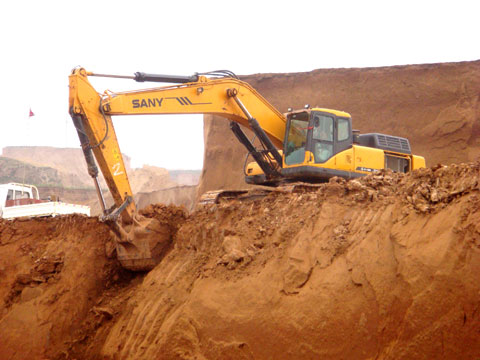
x,y
312,139
316,135
320,144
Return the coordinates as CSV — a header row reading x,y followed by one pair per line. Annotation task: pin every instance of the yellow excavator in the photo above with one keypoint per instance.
x,y
309,145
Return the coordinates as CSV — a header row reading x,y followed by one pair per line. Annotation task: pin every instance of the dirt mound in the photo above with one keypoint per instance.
x,y
384,267
52,271
169,216
381,267
435,106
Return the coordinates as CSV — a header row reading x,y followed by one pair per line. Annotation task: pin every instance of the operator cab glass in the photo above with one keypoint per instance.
x,y
322,139
296,141
321,133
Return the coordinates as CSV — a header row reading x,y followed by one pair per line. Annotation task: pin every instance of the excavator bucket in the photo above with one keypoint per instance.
x,y
142,244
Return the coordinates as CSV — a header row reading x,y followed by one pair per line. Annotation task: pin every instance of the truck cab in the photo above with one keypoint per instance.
x,y
21,200
13,194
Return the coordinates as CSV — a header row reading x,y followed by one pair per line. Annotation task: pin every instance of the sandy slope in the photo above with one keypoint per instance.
x,y
384,267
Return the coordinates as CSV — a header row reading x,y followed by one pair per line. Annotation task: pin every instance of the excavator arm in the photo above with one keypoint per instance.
x,y
91,113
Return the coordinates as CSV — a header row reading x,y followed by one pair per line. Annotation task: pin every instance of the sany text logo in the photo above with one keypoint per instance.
x,y
157,102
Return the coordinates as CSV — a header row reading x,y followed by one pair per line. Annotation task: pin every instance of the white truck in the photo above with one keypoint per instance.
x,y
20,200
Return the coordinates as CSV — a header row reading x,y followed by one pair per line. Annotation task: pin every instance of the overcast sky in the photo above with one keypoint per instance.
x,y
41,41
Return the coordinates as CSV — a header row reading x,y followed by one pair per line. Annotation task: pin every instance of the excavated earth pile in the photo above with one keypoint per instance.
x,y
384,267
52,270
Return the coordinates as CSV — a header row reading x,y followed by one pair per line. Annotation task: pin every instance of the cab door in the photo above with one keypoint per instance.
x,y
343,144
296,140
343,134
331,136
322,141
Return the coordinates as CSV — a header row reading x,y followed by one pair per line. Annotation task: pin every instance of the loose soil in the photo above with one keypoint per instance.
x,y
384,267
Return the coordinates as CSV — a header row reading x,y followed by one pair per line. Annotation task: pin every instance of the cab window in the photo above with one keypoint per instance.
x,y
21,195
322,137
297,139
343,131
323,128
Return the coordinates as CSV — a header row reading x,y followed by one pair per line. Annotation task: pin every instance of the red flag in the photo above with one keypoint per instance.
x,y
31,113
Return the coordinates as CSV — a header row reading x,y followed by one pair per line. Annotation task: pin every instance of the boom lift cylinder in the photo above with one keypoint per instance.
x,y
142,77
257,129
175,79
262,161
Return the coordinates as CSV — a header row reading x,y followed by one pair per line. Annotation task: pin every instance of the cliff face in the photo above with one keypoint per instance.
x,y
185,177
180,195
435,106
12,170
